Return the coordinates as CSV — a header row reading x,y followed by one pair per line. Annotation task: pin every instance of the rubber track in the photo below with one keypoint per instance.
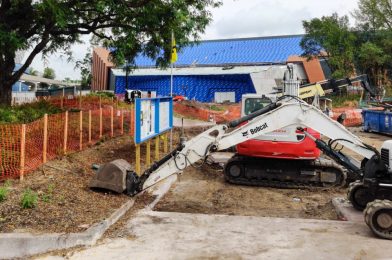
x,y
320,163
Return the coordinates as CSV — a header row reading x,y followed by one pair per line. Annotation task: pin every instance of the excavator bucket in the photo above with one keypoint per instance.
x,y
112,176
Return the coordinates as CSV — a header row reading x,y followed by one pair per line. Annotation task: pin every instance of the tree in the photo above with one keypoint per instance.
x,y
49,73
33,72
85,70
374,34
331,37
46,26
374,14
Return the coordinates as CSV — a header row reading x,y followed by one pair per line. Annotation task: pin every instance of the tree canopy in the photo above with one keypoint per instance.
x,y
46,26
330,36
364,48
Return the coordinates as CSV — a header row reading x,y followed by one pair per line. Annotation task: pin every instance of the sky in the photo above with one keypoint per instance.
x,y
234,19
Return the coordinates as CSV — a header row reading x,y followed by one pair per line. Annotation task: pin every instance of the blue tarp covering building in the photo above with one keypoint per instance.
x,y
225,54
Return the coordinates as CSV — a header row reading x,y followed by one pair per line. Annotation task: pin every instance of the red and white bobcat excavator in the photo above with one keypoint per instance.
x,y
373,191
290,159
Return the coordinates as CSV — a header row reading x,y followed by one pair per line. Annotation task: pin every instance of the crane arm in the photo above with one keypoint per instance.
x,y
290,111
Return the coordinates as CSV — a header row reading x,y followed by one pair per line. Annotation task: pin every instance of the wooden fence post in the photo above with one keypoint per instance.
x,y
157,148
80,130
111,121
122,122
22,152
89,126
148,153
100,102
80,98
100,123
65,132
137,166
45,145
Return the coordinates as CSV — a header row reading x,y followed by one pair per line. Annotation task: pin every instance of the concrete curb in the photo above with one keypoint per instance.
x,y
13,245
346,211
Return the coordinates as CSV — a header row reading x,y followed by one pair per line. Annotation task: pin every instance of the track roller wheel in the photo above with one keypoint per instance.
x,y
233,171
359,195
378,216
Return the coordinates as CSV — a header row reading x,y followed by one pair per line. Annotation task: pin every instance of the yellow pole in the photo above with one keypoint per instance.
x,y
148,153
165,143
157,148
137,166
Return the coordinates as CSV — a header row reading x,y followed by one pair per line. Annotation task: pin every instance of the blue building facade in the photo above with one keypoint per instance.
x,y
198,87
217,53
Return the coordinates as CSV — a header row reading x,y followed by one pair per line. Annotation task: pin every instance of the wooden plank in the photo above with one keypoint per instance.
x,y
122,122
65,132
100,121
45,145
89,126
22,152
81,130
111,121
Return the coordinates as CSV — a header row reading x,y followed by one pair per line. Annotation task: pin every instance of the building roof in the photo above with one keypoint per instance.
x,y
260,50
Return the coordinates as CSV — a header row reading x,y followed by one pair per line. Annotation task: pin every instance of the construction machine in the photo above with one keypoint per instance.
x,y
290,159
373,190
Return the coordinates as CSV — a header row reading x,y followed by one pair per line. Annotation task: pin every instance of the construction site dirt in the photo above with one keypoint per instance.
x,y
204,190
66,204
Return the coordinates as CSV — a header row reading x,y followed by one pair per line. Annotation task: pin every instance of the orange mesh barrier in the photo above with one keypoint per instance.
x,y
353,116
65,132
10,140
56,125
233,112
34,145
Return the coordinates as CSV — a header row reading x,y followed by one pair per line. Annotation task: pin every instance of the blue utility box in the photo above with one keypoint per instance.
x,y
377,121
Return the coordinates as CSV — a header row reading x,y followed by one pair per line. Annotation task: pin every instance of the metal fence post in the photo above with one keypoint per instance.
x,y
89,126
111,121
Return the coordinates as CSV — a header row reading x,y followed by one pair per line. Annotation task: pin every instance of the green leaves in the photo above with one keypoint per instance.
x,y
330,36
130,26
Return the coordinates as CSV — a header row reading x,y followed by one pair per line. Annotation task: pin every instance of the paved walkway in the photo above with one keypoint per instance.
x,y
163,235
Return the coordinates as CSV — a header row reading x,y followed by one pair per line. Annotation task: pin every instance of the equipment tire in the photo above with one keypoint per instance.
x,y
378,216
356,194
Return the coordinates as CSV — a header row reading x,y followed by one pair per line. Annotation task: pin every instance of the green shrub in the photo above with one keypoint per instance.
x,y
4,190
46,197
3,193
102,94
29,199
27,112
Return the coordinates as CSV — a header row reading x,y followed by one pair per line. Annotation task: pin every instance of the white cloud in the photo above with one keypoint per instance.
x,y
249,18
236,18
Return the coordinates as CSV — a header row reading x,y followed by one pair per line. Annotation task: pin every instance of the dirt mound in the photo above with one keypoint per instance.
x,y
219,113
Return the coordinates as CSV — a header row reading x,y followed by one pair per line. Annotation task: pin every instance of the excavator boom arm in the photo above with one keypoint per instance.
x,y
290,111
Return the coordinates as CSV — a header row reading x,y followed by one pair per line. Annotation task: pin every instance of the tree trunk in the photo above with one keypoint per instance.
x,y
5,91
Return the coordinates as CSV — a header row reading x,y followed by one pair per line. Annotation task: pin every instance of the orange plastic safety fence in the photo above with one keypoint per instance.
x,y
73,143
233,112
10,137
353,116
56,125
83,129
34,145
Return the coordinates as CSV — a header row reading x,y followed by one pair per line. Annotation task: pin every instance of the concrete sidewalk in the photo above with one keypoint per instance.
x,y
164,235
